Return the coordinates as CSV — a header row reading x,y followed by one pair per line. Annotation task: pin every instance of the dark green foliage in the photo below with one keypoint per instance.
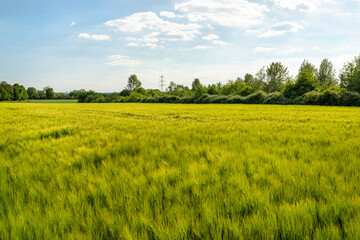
x,y
177,90
326,75
41,94
201,90
309,98
19,93
7,91
235,99
33,94
253,82
236,88
246,91
3,94
350,99
308,67
214,99
213,90
125,93
272,85
49,92
76,93
255,98
305,82
196,84
274,98
142,91
276,76
331,96
133,83
90,96
350,75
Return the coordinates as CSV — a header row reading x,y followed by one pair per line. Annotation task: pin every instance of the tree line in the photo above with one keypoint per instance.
x,y
271,85
18,92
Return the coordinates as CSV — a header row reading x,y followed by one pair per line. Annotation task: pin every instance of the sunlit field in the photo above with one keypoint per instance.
x,y
163,171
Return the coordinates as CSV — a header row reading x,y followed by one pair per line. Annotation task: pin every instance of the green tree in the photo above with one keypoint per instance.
x,y
350,75
33,94
3,93
212,89
276,76
142,91
178,89
308,67
237,88
8,89
305,82
172,87
49,92
133,83
19,93
253,82
41,94
326,75
196,84
125,93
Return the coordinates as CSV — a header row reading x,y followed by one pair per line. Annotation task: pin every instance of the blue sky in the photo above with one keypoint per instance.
x,y
97,44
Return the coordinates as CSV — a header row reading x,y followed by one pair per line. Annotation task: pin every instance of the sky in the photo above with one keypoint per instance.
x,y
97,45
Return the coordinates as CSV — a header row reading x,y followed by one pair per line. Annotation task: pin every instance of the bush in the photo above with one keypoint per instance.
x,y
309,98
255,98
350,99
186,99
214,99
235,99
331,96
168,99
246,91
274,98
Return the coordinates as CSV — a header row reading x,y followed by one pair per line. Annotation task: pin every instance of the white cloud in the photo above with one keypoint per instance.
x,y
118,60
132,44
153,34
167,14
302,5
150,45
201,47
210,37
262,49
170,31
72,24
94,37
131,39
230,13
218,42
279,29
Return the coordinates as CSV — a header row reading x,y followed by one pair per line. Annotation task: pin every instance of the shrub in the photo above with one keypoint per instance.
x,y
246,91
331,96
187,99
218,99
255,98
274,98
350,99
309,98
235,99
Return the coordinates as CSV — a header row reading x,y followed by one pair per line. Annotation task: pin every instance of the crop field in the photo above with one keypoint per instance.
x,y
163,171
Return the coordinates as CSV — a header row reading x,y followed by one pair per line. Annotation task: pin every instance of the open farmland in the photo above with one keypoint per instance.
x,y
163,171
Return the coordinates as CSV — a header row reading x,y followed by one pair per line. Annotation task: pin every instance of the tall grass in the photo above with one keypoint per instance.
x,y
138,171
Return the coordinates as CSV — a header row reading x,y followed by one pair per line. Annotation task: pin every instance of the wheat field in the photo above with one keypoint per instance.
x,y
164,171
